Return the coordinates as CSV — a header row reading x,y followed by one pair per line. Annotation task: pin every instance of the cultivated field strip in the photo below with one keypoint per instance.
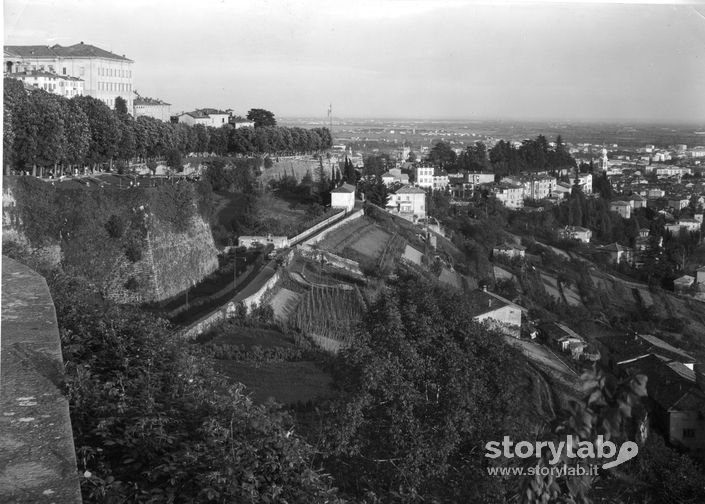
x,y
329,312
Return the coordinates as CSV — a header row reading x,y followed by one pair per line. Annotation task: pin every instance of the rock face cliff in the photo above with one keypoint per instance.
x,y
136,245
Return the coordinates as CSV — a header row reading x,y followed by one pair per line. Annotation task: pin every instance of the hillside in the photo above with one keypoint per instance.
x,y
566,285
134,244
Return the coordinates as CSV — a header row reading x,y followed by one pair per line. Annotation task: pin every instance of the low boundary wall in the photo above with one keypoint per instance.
x,y
320,236
312,230
37,455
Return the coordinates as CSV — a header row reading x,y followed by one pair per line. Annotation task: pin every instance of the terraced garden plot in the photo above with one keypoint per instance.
x,y
451,278
502,274
646,298
371,243
329,312
572,296
413,255
284,303
551,286
336,241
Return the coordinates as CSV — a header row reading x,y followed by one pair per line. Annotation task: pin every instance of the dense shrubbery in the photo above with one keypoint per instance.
x,y
423,388
255,353
155,424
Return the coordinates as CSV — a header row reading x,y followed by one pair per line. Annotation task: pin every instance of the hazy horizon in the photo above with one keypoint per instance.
x,y
401,59
587,121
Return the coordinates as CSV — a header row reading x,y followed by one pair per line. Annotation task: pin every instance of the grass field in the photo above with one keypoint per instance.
x,y
231,334
283,218
285,382
298,165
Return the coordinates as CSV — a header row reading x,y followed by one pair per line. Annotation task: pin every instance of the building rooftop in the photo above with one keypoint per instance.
x,y
212,111
577,229
407,189
42,73
345,188
615,247
149,101
481,302
628,348
685,279
670,384
79,50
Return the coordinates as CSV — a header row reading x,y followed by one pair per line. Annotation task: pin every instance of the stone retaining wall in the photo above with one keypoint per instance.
x,y
37,456
251,299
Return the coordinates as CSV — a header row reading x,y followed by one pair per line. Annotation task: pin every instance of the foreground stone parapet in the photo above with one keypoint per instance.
x,y
37,457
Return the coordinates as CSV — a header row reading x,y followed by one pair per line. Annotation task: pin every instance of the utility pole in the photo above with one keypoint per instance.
x,y
234,268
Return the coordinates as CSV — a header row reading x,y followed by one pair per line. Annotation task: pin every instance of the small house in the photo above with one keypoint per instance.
x,y
343,197
509,251
683,283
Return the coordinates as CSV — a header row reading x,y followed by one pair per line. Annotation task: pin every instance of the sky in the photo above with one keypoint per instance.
x,y
452,59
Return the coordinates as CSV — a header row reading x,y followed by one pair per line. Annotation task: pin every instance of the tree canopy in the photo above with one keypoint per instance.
x,y
46,130
154,423
423,387
261,117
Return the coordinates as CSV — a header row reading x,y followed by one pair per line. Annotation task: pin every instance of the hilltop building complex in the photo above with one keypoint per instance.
x,y
105,75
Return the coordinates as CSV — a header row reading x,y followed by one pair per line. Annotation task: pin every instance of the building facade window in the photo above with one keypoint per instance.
x,y
688,433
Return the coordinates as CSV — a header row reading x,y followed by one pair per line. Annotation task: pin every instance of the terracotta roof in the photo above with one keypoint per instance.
x,y
345,188
634,347
685,279
410,190
212,111
149,101
80,50
670,384
576,229
482,302
31,51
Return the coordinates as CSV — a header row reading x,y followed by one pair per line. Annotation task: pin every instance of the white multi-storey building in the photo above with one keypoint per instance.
x,y
208,117
623,208
511,195
151,107
105,75
61,85
440,182
409,202
585,182
536,187
424,176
